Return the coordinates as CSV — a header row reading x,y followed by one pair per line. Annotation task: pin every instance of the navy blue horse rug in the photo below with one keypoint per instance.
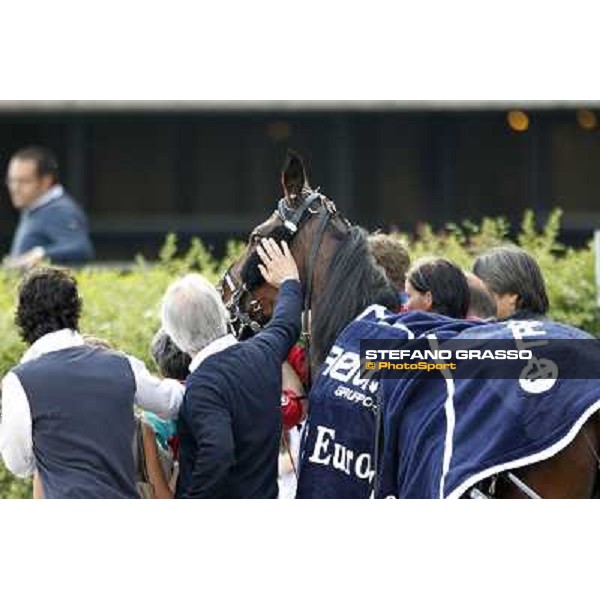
x,y
445,432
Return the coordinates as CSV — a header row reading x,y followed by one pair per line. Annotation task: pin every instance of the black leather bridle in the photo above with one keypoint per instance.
x,y
245,324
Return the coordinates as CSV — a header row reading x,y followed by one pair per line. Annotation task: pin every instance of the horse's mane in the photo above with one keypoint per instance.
x,y
354,281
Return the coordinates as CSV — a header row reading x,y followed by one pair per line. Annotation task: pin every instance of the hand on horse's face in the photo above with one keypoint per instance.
x,y
278,262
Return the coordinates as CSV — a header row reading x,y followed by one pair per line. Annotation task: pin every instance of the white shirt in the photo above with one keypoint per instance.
x,y
162,397
214,347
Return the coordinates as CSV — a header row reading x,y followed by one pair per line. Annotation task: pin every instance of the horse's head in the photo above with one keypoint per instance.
x,y
301,218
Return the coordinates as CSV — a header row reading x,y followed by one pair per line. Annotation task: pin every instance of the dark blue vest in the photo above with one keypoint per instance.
x,y
81,402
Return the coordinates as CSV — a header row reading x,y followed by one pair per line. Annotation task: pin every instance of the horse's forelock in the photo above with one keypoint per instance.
x,y
250,273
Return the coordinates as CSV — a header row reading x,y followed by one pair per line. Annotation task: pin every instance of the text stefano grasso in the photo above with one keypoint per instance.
x,y
462,354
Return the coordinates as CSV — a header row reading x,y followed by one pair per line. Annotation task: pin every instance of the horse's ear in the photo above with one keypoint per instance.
x,y
293,177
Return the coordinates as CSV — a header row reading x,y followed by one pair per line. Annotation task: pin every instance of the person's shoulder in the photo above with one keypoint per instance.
x,y
209,383
220,361
114,354
209,370
220,370
14,372
65,202
55,206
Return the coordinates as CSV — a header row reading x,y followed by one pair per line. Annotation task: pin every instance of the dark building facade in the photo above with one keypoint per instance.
x,y
214,172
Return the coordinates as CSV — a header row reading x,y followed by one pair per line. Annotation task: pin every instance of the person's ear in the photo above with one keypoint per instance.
x,y
506,304
428,299
46,182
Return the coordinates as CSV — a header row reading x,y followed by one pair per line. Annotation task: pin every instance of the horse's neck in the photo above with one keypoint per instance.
x,y
320,277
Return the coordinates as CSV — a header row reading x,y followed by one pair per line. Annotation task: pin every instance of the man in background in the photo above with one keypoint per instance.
x,y
52,225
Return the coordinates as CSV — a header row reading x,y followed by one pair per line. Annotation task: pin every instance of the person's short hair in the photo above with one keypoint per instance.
x,y
447,284
193,314
512,270
169,359
391,254
481,302
45,160
48,301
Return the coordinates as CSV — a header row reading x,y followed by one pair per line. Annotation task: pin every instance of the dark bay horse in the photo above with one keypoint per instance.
x,y
340,279
337,271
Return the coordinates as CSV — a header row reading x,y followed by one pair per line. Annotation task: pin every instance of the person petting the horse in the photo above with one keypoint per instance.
x,y
230,419
516,282
67,409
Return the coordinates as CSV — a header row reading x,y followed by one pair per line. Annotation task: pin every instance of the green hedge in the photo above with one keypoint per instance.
x,y
119,305
122,305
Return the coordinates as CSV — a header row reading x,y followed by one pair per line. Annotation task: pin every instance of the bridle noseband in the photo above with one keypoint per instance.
x,y
241,323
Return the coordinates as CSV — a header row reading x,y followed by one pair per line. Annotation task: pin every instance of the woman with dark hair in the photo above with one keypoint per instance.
x,y
515,280
160,451
169,359
438,285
